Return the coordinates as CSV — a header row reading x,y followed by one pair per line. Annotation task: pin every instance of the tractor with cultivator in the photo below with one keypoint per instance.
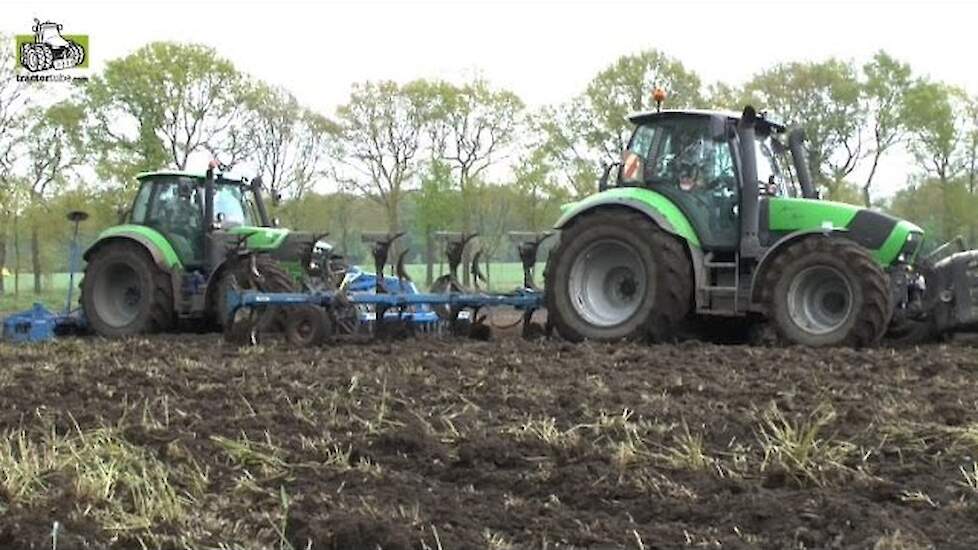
x,y
711,216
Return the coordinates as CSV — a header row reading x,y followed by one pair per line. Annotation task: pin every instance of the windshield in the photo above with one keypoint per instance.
x,y
231,201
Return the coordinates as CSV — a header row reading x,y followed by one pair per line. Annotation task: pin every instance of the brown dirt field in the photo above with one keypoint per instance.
x,y
500,444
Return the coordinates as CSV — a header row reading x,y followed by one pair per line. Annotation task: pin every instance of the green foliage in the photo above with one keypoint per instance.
x,y
942,209
935,118
884,93
824,98
159,105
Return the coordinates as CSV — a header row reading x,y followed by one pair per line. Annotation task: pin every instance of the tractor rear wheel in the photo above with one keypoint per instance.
x,y
614,275
124,292
825,291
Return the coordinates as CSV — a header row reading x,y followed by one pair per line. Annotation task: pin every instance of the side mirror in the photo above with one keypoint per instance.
x,y
606,174
276,222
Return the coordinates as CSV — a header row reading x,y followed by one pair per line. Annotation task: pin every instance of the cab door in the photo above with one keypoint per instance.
x,y
691,163
175,208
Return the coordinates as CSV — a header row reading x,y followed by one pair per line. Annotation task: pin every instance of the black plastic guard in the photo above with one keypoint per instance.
x,y
956,279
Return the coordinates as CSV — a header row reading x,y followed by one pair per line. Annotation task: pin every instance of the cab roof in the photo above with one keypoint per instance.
x,y
182,173
642,117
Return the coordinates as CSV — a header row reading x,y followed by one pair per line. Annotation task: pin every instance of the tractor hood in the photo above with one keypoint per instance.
x,y
881,233
263,239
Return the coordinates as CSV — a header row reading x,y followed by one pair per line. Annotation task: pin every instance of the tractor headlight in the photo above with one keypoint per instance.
x,y
910,247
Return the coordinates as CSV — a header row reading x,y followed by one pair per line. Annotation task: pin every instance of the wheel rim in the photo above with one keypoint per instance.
x,y
118,295
607,283
820,299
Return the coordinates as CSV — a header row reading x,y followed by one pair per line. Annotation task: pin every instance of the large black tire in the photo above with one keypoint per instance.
x,y
76,53
46,57
827,291
615,275
273,279
124,293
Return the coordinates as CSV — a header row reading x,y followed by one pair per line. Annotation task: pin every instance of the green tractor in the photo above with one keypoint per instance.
x,y
714,214
189,237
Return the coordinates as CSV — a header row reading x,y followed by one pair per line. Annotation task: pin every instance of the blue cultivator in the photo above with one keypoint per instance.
x,y
387,306
38,324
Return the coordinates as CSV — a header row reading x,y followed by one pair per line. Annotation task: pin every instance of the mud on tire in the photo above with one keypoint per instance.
x,y
827,291
615,297
124,292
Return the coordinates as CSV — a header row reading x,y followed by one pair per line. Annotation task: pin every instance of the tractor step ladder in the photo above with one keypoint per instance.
x,y
714,269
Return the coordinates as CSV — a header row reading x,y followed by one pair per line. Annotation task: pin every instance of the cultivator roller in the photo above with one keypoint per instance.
x,y
390,306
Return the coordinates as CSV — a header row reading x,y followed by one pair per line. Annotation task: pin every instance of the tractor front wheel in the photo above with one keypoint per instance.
x,y
270,277
826,291
614,275
124,292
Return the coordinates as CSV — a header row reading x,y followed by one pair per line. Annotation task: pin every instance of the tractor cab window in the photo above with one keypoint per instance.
x,y
683,159
176,210
230,203
774,173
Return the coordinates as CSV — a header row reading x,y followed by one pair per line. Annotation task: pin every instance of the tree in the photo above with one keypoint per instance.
x,y
381,129
592,128
626,86
538,196
161,104
14,102
824,98
470,126
437,206
54,147
884,90
934,123
290,143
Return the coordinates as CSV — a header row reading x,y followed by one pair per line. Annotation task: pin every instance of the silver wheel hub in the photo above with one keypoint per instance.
x,y
820,299
607,283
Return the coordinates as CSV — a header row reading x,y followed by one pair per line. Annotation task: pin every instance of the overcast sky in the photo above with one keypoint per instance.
x,y
546,51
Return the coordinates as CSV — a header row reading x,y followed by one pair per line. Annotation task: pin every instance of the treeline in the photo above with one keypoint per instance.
x,y
425,156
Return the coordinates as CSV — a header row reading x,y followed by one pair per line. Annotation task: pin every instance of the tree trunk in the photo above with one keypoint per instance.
x,y
869,180
946,204
393,226
3,257
36,256
16,255
429,257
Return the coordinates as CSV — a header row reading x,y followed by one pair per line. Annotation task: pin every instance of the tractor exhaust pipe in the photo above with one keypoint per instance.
x,y
796,141
208,210
750,244
256,191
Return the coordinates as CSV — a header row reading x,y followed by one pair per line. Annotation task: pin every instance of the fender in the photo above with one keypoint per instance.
x,y
153,241
656,206
662,211
780,245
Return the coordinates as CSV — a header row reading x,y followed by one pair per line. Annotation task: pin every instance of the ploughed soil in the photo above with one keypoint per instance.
x,y
450,443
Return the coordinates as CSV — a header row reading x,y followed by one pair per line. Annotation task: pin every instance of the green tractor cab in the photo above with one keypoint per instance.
x,y
188,237
715,214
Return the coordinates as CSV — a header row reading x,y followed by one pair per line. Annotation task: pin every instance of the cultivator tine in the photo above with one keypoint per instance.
x,y
455,249
476,271
528,244
402,274
380,250
479,330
